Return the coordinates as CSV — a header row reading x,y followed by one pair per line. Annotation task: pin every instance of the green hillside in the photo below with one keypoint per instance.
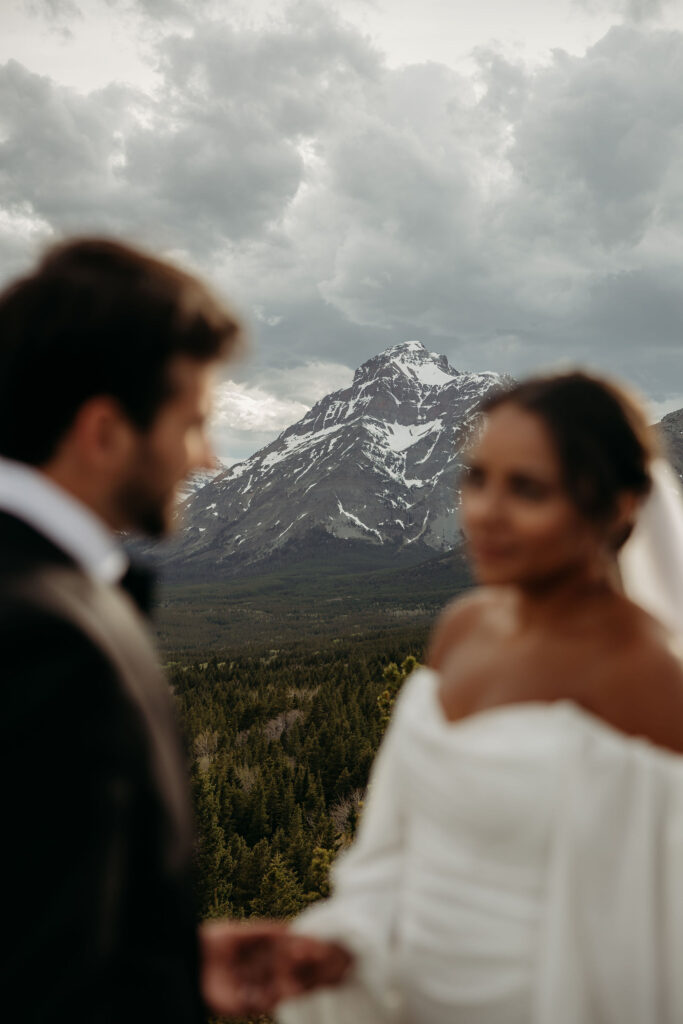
x,y
302,601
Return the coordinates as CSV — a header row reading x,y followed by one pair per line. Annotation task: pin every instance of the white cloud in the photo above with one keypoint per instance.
x,y
249,407
310,381
669,404
248,416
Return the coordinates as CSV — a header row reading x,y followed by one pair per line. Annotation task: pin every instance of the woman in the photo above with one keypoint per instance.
x,y
520,856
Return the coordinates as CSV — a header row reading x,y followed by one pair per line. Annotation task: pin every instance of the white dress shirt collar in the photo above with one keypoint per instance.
x,y
33,497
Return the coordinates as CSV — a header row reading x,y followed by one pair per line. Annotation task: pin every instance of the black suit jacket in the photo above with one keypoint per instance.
x,y
97,832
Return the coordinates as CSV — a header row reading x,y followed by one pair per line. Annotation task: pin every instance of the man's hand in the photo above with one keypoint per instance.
x,y
249,967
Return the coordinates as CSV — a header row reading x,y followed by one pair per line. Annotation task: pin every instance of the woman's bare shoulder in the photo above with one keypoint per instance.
x,y
648,647
644,691
458,618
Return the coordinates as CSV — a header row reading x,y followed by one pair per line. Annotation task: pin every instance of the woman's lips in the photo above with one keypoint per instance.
x,y
489,551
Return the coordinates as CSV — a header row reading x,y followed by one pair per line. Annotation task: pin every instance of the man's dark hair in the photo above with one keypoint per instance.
x,y
600,433
97,317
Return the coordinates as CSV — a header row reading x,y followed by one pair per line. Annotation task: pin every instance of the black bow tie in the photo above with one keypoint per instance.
x,y
138,582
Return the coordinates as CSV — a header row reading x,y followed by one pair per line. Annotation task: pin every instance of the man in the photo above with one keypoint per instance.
x,y
106,364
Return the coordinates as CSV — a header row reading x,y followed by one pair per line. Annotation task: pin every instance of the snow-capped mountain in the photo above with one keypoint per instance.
x,y
371,468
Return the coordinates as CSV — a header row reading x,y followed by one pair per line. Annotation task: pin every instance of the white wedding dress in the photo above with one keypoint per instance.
x,y
521,866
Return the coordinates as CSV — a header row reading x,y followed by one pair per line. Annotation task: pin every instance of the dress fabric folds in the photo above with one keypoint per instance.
x,y
521,866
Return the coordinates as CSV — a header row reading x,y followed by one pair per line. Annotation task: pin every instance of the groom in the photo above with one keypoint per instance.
x,y
107,358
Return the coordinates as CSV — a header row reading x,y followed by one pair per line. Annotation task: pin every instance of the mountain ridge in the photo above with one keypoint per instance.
x,y
365,480
370,470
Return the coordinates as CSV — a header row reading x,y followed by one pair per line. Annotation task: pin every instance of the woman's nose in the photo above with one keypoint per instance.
x,y
485,506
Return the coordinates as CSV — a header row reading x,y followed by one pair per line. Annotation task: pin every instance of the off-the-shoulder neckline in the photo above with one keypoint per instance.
x,y
564,705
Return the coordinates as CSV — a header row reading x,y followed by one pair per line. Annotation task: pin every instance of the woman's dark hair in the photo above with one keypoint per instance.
x,y
600,433
97,317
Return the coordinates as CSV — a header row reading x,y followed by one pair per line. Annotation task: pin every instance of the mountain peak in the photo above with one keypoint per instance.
x,y
406,346
408,359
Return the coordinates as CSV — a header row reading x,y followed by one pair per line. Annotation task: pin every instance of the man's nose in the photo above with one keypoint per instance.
x,y
202,456
208,457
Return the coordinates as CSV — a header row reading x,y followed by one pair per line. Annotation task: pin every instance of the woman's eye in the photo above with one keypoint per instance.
x,y
472,476
531,489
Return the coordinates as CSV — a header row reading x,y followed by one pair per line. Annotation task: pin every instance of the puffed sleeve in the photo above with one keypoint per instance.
x,y
366,884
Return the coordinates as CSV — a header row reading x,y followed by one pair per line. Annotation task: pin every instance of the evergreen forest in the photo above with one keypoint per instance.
x,y
279,745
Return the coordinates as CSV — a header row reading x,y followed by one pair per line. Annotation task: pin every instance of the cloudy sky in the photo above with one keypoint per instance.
x,y
503,181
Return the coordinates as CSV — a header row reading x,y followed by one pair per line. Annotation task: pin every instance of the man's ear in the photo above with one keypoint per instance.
x,y
102,433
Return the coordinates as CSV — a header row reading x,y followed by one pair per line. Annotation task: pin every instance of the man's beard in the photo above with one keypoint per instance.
x,y
147,516
147,510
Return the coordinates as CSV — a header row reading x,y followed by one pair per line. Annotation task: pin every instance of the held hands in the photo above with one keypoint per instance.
x,y
249,967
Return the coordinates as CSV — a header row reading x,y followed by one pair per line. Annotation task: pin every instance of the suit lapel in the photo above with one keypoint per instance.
x,y
22,546
138,583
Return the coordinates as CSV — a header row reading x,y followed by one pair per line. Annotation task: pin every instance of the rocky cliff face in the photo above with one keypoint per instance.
x,y
371,470
671,431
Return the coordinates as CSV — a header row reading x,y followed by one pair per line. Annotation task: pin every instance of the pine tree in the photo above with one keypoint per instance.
x,y
394,678
299,849
280,893
258,825
318,875
212,864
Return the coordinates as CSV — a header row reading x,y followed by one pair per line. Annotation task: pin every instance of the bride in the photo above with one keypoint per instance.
x,y
520,854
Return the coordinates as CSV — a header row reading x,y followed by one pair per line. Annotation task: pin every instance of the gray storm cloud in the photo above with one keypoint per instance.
x,y
521,216
631,10
54,9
